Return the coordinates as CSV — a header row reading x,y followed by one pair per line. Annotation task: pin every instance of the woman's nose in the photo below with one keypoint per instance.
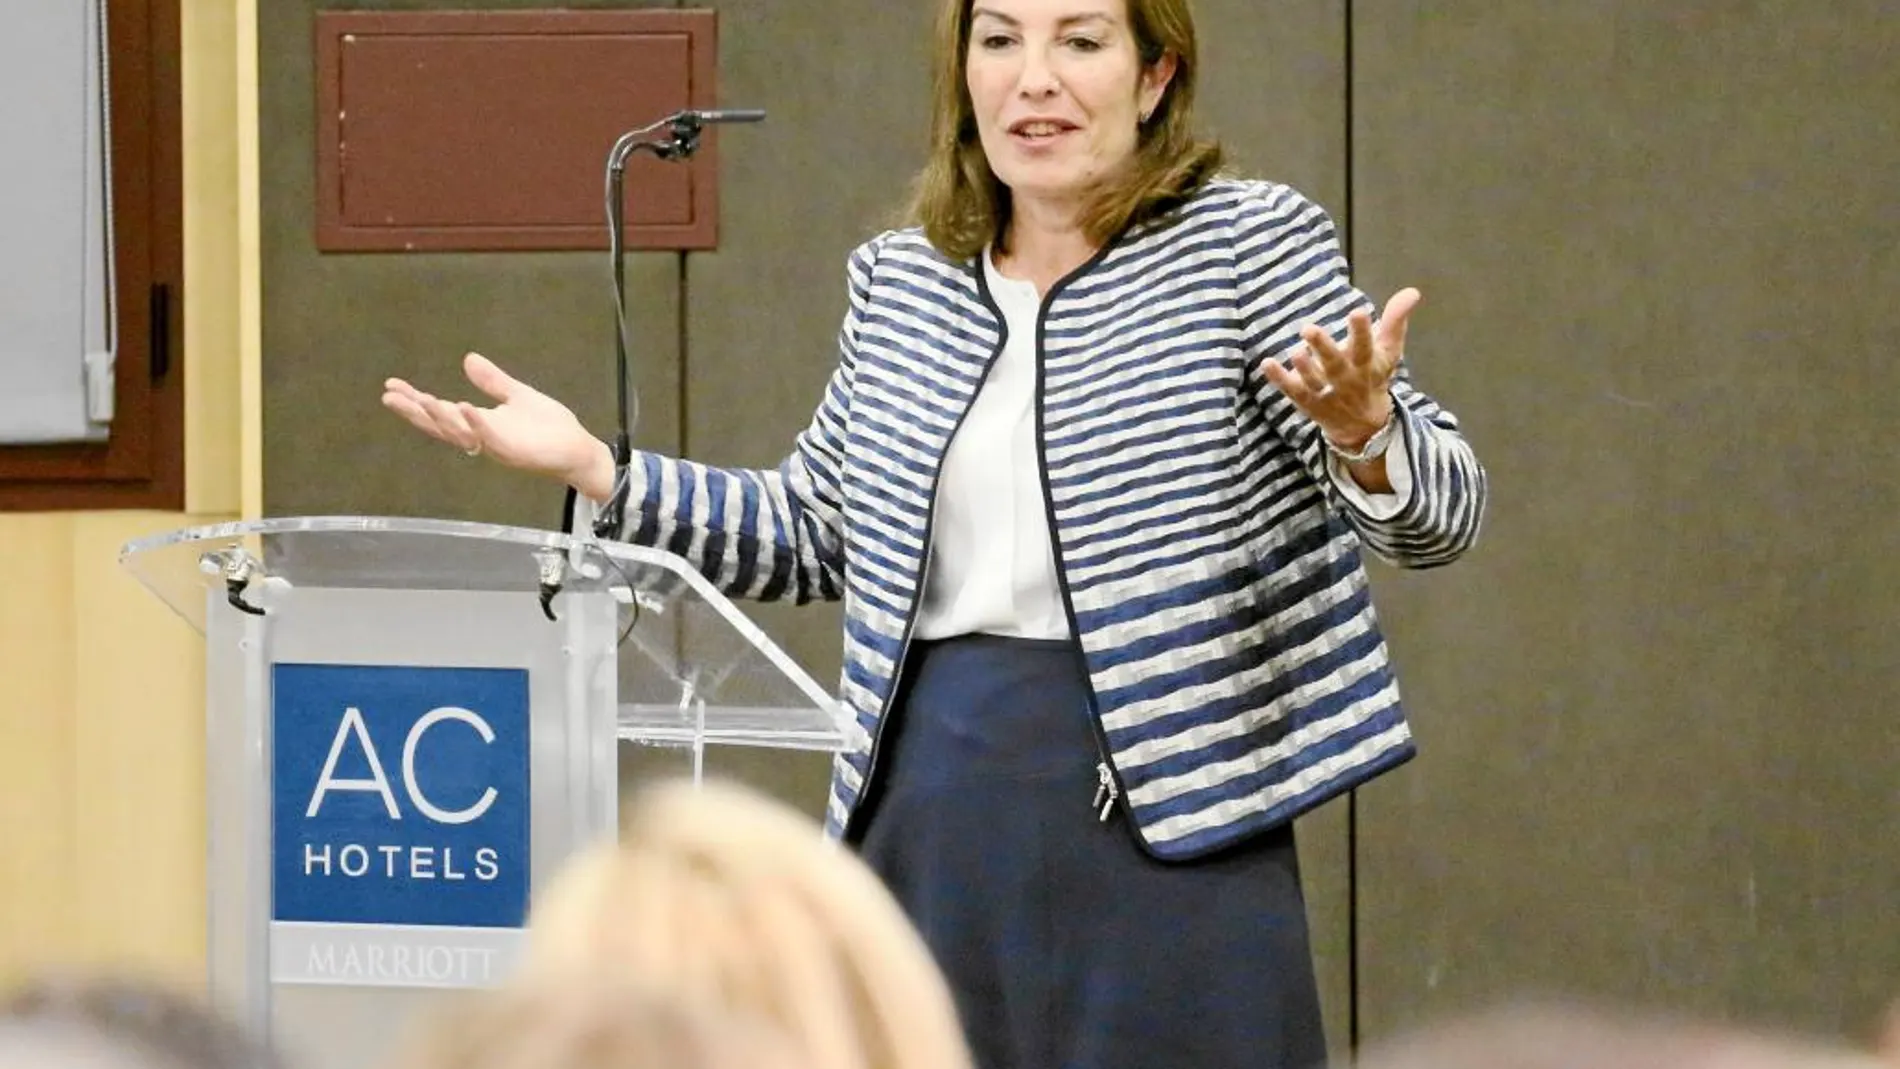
x,y
1038,78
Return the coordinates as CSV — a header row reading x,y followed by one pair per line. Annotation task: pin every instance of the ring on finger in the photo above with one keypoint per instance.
x,y
1325,390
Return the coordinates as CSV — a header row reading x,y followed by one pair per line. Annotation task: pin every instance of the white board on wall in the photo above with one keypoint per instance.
x,y
57,320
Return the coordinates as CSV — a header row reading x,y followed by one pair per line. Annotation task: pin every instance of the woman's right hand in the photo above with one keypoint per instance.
x,y
525,429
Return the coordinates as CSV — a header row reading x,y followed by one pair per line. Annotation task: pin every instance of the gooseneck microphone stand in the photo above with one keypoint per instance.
x,y
674,138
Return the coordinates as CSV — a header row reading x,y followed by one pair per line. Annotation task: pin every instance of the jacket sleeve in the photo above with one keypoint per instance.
x,y
1290,272
771,534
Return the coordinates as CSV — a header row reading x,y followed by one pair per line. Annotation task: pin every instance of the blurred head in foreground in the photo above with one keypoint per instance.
x,y
731,900
119,1024
598,1025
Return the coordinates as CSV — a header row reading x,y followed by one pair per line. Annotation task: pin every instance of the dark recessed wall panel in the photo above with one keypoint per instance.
x,y
1657,246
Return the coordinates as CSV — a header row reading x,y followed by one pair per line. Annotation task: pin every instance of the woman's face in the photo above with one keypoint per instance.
x,y
1059,92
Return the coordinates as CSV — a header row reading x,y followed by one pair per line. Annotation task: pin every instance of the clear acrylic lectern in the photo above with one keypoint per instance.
x,y
411,723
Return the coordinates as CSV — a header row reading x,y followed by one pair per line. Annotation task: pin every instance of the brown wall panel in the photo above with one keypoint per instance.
x,y
1656,243
473,130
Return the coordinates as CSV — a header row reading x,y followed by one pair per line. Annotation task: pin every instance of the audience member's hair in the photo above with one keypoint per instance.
x,y
114,1023
593,1025
735,901
1554,1036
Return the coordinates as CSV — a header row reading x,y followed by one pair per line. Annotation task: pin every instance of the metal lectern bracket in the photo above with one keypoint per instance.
x,y
551,575
238,569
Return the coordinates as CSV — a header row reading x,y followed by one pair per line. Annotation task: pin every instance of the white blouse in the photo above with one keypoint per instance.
x,y
992,569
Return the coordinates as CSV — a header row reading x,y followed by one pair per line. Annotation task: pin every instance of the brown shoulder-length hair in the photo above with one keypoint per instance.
x,y
962,205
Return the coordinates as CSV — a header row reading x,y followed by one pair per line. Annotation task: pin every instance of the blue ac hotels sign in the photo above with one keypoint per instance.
x,y
399,818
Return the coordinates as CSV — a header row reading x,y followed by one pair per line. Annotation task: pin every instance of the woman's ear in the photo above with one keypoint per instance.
x,y
1154,83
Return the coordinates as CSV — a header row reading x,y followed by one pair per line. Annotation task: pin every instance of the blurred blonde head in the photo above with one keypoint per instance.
x,y
732,900
107,1022
593,1025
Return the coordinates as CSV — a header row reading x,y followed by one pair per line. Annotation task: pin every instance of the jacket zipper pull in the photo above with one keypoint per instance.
x,y
1105,791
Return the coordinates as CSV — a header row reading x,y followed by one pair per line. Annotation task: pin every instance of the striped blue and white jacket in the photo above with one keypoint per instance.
x,y
1211,569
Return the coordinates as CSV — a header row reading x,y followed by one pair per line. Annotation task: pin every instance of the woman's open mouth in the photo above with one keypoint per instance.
x,y
1040,131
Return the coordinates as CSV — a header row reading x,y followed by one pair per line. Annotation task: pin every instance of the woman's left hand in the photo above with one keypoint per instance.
x,y
1346,388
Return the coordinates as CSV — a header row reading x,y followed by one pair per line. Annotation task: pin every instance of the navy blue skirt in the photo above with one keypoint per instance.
x,y
1065,945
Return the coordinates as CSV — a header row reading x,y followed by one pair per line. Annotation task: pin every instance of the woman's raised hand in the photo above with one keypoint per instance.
x,y
524,429
1346,388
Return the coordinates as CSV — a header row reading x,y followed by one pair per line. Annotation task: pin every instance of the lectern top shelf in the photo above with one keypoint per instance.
x,y
379,552
683,645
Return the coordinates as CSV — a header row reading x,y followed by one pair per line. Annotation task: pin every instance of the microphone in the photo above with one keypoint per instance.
x,y
722,115
681,134
684,126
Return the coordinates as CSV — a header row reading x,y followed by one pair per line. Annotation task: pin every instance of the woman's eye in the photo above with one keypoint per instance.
x,y
1085,44
995,41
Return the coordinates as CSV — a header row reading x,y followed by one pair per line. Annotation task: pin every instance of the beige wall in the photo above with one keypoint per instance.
x,y
101,687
